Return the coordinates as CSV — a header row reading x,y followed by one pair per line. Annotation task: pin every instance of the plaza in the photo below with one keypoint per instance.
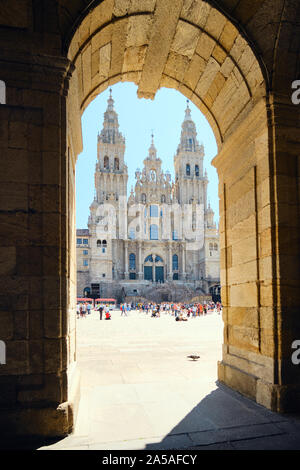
x,y
140,390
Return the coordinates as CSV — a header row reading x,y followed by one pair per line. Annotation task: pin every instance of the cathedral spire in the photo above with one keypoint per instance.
x,y
187,116
188,138
152,148
110,131
110,101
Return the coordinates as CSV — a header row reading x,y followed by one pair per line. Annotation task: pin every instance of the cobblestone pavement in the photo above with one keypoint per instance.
x,y
140,390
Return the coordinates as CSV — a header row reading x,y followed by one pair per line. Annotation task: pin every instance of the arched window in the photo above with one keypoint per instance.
x,y
98,243
153,232
116,164
143,198
175,262
104,243
158,259
190,144
132,261
149,259
175,235
211,246
188,169
163,198
196,170
106,162
2,92
132,234
153,211
215,247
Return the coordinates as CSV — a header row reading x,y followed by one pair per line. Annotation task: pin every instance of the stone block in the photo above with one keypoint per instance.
x,y
207,77
219,54
237,379
266,293
244,295
7,325
176,66
29,261
17,358
17,135
21,325
134,58
14,228
243,316
8,392
52,323
48,392
244,337
51,257
194,71
244,251
104,61
15,14
228,36
36,322
14,166
52,356
205,46
185,40
244,272
215,23
7,260
138,32
195,12
118,47
51,228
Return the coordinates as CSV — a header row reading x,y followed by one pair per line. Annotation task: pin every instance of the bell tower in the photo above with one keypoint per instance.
x,y
111,172
190,182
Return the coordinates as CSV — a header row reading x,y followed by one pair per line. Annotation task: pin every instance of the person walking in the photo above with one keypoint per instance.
x,y
100,310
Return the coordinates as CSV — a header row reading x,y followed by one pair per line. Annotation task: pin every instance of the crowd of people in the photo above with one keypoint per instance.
x,y
180,311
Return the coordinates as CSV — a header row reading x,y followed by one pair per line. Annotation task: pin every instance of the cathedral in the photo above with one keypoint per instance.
x,y
161,242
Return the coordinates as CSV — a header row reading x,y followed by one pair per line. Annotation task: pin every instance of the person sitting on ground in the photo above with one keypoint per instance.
x,y
107,316
180,317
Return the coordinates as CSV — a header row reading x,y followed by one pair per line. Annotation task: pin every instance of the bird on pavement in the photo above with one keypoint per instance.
x,y
194,357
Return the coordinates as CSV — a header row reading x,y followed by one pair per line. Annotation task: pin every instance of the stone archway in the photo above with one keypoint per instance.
x,y
207,58
230,60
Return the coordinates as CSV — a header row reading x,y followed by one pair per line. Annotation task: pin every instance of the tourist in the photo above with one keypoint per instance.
x,y
100,310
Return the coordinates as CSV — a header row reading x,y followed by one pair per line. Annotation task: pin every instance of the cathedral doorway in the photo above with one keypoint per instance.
x,y
154,268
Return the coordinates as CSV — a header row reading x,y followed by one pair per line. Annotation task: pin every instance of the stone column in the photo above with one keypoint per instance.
x,y
183,273
259,238
126,272
170,270
140,260
39,383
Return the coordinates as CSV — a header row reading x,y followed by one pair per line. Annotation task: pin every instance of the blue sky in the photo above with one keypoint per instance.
x,y
137,118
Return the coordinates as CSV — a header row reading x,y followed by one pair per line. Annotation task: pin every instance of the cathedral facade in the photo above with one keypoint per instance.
x,y
163,237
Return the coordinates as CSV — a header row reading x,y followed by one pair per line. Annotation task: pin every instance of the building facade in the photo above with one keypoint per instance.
x,y
163,235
